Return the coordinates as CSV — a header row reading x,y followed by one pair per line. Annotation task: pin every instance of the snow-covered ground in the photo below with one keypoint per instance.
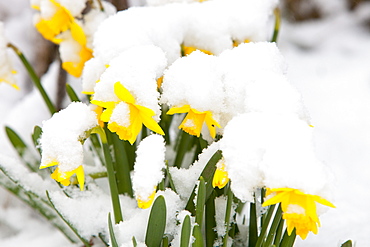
x,y
329,64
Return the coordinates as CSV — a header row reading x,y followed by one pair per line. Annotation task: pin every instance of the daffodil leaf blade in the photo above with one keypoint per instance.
x,y
185,232
156,223
111,232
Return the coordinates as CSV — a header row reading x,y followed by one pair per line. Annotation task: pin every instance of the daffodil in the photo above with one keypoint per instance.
x,y
6,68
64,177
53,25
137,115
193,122
299,209
221,177
62,28
75,53
7,73
186,50
147,202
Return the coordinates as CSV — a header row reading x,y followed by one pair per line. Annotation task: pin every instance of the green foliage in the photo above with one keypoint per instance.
x,y
157,223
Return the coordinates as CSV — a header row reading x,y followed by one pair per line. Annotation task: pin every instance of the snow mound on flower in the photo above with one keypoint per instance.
x,y
194,80
272,150
210,25
150,161
62,135
137,69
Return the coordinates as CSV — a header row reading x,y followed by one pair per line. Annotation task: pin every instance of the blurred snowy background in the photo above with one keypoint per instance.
x,y
327,47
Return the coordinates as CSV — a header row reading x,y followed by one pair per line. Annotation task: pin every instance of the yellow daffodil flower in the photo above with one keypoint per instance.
x,y
60,21
221,177
139,115
141,203
65,177
6,68
75,67
186,50
193,122
299,209
7,77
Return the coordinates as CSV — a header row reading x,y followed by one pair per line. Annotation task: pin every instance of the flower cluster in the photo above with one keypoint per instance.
x,y
70,24
184,70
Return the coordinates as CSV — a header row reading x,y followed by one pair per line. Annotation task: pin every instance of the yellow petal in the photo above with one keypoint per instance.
x,y
220,178
146,203
211,124
323,201
182,109
75,68
146,116
80,176
78,33
123,94
53,163
275,199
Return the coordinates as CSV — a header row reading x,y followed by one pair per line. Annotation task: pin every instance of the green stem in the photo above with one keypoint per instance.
x,y
34,78
228,213
122,166
265,225
274,227
277,25
279,233
210,221
287,240
111,177
253,228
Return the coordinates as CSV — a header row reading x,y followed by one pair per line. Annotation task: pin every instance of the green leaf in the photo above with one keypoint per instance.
x,y
157,223
122,167
279,232
185,143
37,131
197,234
172,184
134,243
210,221
185,232
274,228
111,232
165,242
253,228
72,94
16,141
201,201
230,197
288,241
21,148
265,224
348,243
207,174
84,241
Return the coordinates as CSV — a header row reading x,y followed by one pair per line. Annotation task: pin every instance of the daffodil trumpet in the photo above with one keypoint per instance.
x,y
299,209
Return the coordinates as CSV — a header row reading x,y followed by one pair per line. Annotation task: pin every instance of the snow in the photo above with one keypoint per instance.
x,y
148,166
62,135
328,64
